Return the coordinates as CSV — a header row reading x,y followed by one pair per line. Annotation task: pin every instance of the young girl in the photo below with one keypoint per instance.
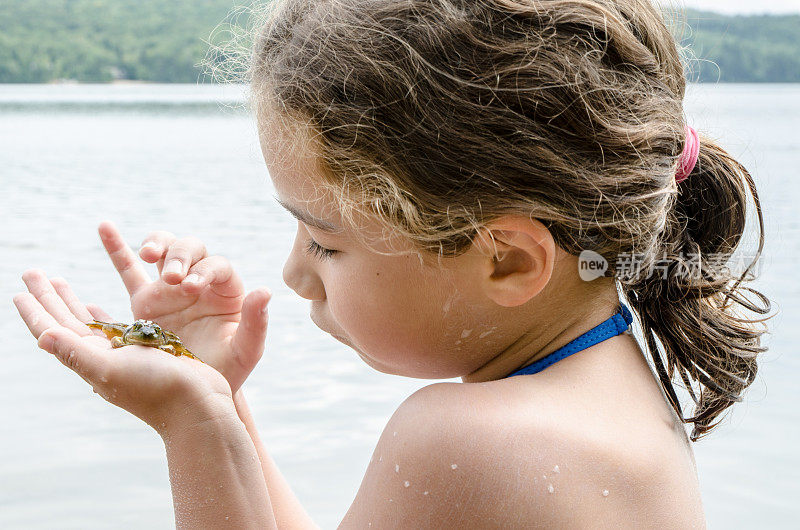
x,y
457,169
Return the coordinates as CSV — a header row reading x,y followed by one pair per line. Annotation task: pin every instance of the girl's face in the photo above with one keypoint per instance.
x,y
400,315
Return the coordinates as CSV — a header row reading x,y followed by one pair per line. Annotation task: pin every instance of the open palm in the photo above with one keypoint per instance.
x,y
198,297
147,382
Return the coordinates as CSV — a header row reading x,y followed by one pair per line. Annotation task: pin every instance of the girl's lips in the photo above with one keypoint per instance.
x,y
323,328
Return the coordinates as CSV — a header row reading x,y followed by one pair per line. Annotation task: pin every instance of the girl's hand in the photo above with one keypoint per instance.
x,y
198,297
165,391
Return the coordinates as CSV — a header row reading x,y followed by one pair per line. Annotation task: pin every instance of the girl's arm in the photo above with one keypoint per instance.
x,y
288,511
213,470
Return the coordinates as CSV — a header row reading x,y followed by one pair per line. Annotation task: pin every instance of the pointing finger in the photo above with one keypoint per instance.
x,y
130,270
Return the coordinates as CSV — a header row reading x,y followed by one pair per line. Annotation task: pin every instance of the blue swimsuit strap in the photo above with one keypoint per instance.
x,y
612,327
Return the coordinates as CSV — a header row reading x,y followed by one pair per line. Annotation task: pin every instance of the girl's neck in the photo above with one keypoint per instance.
x,y
553,326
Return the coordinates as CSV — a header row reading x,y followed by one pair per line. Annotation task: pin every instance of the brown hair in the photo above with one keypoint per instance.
x,y
438,116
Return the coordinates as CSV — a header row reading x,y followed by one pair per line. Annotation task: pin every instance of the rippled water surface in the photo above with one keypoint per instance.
x,y
186,159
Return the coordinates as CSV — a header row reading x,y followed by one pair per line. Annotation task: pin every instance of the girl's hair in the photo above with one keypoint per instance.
x,y
438,116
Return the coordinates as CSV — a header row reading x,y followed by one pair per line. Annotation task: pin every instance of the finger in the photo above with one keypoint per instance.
x,y
130,270
98,314
217,272
181,255
248,341
69,297
34,315
40,287
154,247
75,353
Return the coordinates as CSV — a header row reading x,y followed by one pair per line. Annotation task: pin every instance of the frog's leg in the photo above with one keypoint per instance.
x,y
169,349
181,349
177,350
111,329
178,346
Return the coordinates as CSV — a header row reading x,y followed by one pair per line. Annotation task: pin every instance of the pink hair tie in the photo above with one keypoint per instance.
x,y
691,150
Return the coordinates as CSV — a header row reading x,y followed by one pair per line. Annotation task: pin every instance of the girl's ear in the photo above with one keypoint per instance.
x,y
519,253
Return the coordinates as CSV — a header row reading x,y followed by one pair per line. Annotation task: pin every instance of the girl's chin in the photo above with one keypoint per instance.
x,y
340,339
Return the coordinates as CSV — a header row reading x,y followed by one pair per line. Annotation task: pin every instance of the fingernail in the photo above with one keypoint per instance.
x,y
47,342
192,278
151,245
173,267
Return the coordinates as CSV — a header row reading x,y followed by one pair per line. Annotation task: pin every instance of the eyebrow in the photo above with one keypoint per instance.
x,y
308,219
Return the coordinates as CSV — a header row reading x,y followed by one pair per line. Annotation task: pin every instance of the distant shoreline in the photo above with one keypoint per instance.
x,y
94,42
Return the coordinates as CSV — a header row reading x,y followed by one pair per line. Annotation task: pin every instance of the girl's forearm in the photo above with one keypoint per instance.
x,y
214,471
288,511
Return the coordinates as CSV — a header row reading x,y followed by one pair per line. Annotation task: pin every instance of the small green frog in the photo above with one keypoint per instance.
x,y
143,333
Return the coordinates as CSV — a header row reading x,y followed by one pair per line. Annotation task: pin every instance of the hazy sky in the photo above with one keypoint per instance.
x,y
744,6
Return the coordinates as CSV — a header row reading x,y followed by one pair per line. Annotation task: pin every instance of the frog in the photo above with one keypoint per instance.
x,y
142,333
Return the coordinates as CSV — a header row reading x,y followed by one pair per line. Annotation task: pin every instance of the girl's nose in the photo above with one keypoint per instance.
x,y
300,276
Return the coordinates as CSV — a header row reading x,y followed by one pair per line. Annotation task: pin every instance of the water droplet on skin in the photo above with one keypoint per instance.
x,y
394,433
146,310
447,304
227,517
397,468
466,333
406,483
489,332
458,342
550,488
34,321
380,458
425,493
605,493
544,477
103,379
556,470
453,466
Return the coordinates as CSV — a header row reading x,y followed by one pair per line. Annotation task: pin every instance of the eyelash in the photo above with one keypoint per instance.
x,y
318,251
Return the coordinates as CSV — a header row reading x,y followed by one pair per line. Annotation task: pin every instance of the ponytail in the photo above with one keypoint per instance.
x,y
695,307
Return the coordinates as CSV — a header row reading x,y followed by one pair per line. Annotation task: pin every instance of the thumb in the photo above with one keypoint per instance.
x,y
73,352
248,341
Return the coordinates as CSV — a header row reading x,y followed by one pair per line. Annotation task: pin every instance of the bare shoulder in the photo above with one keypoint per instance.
x,y
478,456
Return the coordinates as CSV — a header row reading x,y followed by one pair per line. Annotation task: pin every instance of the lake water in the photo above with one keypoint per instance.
x,y
186,159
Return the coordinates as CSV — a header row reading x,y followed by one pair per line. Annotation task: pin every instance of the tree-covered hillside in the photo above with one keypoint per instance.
x,y
743,49
100,40
164,40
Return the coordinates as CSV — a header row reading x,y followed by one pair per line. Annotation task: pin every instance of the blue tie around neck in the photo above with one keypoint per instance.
x,y
616,325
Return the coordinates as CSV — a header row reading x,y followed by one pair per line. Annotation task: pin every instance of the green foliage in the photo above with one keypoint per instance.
x,y
100,40
743,49
165,40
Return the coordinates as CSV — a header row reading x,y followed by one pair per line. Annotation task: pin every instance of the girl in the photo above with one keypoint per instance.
x,y
457,169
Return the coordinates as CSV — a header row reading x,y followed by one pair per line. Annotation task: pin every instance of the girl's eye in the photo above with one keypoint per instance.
x,y
317,250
